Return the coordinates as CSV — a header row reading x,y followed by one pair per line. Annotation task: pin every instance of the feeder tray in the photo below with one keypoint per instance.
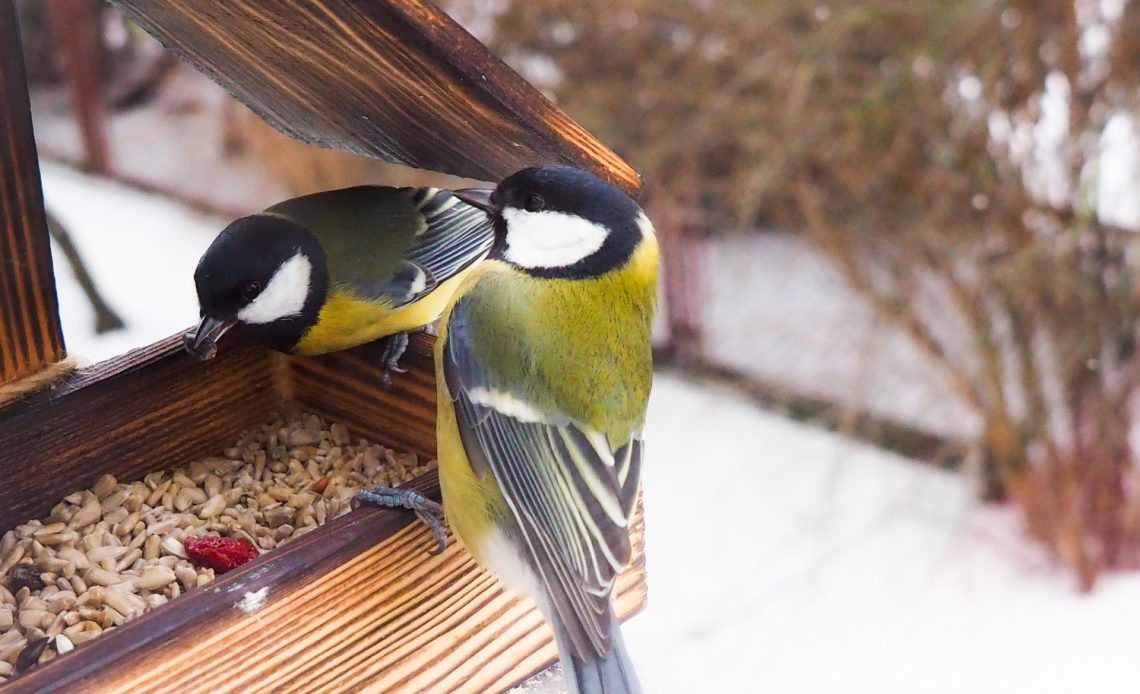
x,y
358,604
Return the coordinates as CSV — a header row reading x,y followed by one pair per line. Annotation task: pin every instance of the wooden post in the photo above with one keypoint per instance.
x,y
76,29
30,333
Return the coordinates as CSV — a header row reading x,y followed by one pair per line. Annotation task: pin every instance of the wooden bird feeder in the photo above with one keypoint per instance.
x,y
356,605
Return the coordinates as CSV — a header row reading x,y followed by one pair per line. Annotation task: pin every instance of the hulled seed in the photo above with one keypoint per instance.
x,y
107,554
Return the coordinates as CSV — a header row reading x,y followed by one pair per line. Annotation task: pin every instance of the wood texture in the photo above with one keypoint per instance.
x,y
345,386
393,79
355,606
151,409
30,333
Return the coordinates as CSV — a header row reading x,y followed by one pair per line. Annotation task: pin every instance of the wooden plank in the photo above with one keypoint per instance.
x,y
30,332
346,387
356,606
150,409
393,79
511,644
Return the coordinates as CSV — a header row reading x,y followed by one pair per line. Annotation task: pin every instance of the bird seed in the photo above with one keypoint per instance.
x,y
107,554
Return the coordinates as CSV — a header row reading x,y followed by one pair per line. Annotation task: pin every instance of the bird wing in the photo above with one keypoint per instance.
x,y
570,489
450,237
454,235
393,244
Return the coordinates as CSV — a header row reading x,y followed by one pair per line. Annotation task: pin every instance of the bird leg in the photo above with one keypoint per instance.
x,y
429,512
394,348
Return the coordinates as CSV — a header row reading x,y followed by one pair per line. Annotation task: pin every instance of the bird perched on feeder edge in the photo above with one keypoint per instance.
x,y
332,270
544,369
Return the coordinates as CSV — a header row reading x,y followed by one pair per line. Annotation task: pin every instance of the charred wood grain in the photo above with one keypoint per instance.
x,y
150,409
346,387
30,332
394,79
355,606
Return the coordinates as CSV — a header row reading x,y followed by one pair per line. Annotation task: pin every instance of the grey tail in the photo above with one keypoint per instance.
x,y
600,674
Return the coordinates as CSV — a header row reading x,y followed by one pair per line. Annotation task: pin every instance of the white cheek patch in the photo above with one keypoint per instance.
x,y
284,296
550,239
644,225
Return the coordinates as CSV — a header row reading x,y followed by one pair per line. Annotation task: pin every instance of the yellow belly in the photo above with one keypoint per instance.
x,y
470,503
347,320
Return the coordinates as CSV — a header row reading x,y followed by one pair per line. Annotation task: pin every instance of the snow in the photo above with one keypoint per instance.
x,y
782,558
175,143
141,251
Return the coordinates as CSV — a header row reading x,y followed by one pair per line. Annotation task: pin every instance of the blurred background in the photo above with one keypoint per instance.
x,y
891,440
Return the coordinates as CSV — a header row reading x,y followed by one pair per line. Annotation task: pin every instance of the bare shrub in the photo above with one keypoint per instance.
x,y
945,156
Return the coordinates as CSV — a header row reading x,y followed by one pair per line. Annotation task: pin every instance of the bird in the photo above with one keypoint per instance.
x,y
338,268
544,369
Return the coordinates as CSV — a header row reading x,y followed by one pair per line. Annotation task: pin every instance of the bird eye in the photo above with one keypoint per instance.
x,y
534,203
251,290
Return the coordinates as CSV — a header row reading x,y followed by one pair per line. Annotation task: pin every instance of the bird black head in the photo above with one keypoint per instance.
x,y
265,274
559,221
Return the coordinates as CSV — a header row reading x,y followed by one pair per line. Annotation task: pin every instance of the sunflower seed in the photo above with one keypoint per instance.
x,y
101,554
63,644
127,560
32,618
107,554
101,577
154,578
124,602
159,490
30,655
24,577
105,485
173,545
213,508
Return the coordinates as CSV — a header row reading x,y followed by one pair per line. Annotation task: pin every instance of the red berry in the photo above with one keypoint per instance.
x,y
219,553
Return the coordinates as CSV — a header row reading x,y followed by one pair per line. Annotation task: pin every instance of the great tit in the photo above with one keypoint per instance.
x,y
544,369
336,269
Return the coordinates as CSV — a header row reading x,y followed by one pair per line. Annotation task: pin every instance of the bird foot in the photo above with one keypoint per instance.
x,y
429,512
394,348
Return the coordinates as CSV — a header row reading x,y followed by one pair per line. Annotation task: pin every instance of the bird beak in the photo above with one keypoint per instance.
x,y
477,197
203,341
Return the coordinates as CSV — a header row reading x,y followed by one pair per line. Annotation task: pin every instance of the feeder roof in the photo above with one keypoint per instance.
x,y
397,80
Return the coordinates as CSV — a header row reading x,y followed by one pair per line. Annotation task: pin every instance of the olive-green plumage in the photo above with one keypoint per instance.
x,y
336,269
544,369
365,231
577,347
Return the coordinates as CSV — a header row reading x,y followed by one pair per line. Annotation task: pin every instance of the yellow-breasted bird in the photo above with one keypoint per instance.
x,y
544,369
336,269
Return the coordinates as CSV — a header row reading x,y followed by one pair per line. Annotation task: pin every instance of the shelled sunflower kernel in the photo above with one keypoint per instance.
x,y
108,554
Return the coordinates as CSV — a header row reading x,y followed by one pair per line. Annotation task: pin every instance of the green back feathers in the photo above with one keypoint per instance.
x,y
392,245
365,231
576,347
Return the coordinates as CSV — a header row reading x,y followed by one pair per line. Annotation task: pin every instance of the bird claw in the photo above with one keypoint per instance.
x,y
429,512
394,348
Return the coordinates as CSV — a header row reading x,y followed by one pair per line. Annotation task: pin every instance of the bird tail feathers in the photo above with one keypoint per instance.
x,y
609,674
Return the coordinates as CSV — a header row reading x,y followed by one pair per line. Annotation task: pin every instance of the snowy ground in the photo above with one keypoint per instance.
x,y
813,564
782,558
175,143
141,250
